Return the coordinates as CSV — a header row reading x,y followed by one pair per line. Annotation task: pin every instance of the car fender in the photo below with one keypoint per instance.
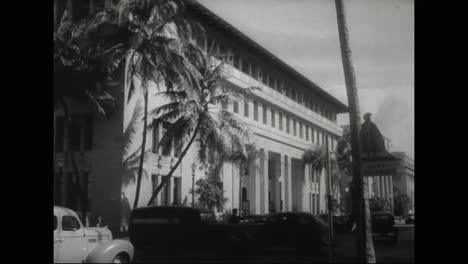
x,y
104,253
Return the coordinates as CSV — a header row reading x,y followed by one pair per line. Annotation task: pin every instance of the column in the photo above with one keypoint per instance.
x,y
170,191
381,194
375,181
265,181
306,190
391,191
288,187
254,187
280,188
389,188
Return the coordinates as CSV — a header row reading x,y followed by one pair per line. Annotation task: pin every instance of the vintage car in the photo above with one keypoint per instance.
x,y
383,226
74,243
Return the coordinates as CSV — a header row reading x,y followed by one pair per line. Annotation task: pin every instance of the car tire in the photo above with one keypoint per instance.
x,y
120,258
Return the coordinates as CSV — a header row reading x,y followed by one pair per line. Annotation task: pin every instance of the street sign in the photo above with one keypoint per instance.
x,y
379,168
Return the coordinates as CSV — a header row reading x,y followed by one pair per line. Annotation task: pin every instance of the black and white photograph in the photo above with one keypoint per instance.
x,y
233,131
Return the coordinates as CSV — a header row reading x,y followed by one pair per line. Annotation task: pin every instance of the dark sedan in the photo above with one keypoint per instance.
x,y
383,226
302,231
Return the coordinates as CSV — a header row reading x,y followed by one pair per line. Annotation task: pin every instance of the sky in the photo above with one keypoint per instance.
x,y
304,34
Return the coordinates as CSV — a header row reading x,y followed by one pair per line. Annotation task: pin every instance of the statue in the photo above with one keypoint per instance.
x,y
372,141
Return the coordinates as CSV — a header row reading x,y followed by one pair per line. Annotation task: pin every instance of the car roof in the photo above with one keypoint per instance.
x,y
290,214
64,211
165,210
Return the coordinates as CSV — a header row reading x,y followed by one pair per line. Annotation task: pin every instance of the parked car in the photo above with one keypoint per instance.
x,y
256,219
208,217
74,243
340,222
299,230
383,226
399,220
183,230
409,219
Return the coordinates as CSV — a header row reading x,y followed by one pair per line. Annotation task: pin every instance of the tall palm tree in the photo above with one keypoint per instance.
x,y
195,115
360,202
155,55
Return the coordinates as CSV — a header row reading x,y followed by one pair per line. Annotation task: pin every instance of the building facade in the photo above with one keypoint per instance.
x,y
404,178
287,115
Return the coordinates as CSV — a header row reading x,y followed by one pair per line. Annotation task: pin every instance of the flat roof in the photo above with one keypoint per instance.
x,y
210,17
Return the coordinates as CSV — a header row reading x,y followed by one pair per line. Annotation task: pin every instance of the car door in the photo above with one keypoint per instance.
x,y
72,248
57,238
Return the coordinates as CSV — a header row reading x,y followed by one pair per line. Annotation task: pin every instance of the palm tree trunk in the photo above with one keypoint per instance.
x,y
360,203
143,148
166,178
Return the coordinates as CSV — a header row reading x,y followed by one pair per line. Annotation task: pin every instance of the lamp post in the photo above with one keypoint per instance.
x,y
194,166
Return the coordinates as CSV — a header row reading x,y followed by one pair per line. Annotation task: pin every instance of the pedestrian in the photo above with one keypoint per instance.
x,y
99,222
234,219
125,212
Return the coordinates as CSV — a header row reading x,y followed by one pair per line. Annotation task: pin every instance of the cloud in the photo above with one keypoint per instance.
x,y
304,34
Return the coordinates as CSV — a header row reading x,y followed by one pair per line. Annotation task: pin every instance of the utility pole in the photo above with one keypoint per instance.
x,y
365,245
330,205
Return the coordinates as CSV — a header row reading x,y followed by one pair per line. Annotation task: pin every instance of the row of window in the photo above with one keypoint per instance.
x,y
300,129
246,66
80,133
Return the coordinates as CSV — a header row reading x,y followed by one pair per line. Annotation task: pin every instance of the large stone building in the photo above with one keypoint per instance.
x,y
403,180
287,115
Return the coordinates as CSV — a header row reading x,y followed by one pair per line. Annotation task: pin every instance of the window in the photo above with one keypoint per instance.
x,y
236,107
246,108
264,114
178,148
287,125
259,75
70,223
287,92
272,118
59,133
55,222
176,191
237,62
312,134
293,94
307,132
280,121
294,128
166,147
278,86
80,133
155,137
300,130
230,57
265,79
154,183
246,67
75,135
255,110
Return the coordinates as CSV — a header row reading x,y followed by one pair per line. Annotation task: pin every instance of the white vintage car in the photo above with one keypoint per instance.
x,y
74,243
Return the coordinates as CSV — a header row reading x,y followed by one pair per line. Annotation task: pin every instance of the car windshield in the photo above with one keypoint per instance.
x,y
70,223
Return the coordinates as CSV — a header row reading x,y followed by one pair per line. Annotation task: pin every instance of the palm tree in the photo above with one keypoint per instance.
x,y
361,202
195,115
155,54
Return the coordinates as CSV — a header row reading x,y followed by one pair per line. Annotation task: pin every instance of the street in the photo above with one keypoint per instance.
x,y
402,252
